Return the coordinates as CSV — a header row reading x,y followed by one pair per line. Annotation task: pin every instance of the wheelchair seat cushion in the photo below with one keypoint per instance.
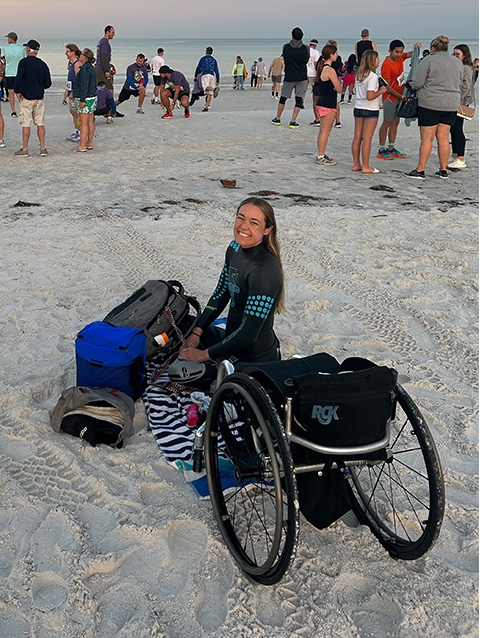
x,y
345,409
273,374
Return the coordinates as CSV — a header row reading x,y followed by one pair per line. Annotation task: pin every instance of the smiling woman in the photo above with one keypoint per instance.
x,y
252,282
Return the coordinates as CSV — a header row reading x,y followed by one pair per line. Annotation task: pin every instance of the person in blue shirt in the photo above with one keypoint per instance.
x,y
207,68
135,83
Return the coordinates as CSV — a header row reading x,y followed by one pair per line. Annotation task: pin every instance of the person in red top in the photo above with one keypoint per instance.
x,y
392,70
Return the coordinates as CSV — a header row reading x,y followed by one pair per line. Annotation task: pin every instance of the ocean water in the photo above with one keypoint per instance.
x,y
183,54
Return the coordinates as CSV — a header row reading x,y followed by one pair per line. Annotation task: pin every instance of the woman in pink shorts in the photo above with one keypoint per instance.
x,y
328,87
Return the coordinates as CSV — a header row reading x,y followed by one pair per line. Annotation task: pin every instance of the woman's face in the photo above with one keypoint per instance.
x,y
458,54
249,228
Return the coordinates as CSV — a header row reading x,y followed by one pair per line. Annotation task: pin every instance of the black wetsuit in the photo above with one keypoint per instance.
x,y
252,281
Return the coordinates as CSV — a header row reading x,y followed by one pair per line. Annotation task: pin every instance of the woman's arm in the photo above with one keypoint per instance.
x,y
332,75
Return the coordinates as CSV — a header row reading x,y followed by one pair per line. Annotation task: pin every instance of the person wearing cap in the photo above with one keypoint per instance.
x,y
295,55
33,77
157,63
175,87
261,71
13,53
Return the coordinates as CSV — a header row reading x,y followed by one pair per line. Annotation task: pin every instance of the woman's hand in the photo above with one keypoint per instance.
x,y
193,354
193,340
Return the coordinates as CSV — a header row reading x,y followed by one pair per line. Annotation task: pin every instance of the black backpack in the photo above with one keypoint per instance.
x,y
158,307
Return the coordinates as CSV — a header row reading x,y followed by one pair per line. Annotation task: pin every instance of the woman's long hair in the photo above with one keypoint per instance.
x,y
327,51
467,56
351,63
367,64
270,241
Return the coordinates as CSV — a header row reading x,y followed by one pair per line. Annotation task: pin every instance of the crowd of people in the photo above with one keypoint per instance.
x,y
443,83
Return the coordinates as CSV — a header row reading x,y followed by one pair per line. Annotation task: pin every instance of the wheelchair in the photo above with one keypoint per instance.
x,y
291,431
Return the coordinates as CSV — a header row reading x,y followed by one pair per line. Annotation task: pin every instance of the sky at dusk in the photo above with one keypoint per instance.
x,y
245,19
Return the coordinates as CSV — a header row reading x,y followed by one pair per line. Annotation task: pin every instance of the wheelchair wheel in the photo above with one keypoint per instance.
x,y
251,479
402,499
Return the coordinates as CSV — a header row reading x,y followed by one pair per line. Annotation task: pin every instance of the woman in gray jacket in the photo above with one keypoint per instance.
x,y
438,81
462,52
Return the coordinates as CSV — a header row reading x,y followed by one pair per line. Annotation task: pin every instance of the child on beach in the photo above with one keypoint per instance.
x,y
349,78
328,87
366,111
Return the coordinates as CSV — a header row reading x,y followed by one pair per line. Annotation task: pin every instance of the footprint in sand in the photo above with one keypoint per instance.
x,y
187,544
211,604
49,591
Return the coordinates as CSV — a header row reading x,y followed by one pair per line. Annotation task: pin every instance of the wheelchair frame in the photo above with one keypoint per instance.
x,y
259,516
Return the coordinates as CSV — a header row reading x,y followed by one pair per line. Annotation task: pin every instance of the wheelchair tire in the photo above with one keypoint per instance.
x,y
402,500
258,513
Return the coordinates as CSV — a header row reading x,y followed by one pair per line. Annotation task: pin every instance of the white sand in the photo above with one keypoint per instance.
x,y
102,542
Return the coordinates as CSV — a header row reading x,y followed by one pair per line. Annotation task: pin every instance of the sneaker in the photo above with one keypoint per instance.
x,y
186,114
276,121
457,163
13,114
2,144
396,153
109,120
293,125
442,174
152,100
315,123
166,116
43,152
21,153
117,114
338,125
416,174
205,109
384,154
325,161
216,91
342,102
73,137
140,111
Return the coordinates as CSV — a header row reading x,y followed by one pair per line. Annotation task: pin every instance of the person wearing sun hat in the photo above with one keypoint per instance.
x,y
33,77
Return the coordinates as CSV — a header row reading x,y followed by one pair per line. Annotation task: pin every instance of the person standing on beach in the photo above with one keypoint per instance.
x,y
254,74
328,87
275,71
175,87
157,63
13,53
462,52
239,73
85,93
295,55
261,70
311,74
135,83
103,64
365,44
73,56
392,70
207,69
33,77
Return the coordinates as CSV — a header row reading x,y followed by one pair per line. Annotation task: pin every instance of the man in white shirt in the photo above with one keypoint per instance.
x,y
157,63
312,72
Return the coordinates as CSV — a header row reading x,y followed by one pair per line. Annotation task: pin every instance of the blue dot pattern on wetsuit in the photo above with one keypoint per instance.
x,y
259,306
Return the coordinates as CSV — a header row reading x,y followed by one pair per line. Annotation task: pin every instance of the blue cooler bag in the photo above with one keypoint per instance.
x,y
111,357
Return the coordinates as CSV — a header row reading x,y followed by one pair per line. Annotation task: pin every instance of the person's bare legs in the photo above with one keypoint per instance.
x,y
11,99
356,143
82,145
25,137
369,126
326,125
427,135
443,145
2,127
296,111
280,109
90,130
41,136
142,92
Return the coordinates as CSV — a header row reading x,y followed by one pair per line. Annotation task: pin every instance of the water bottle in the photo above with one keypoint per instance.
x,y
198,449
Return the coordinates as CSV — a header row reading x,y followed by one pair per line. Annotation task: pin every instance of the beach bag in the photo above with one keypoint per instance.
x,y
109,356
467,112
98,415
408,107
158,308
351,408
245,73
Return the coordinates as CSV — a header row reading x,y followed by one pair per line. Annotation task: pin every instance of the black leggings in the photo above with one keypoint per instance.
x,y
458,137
